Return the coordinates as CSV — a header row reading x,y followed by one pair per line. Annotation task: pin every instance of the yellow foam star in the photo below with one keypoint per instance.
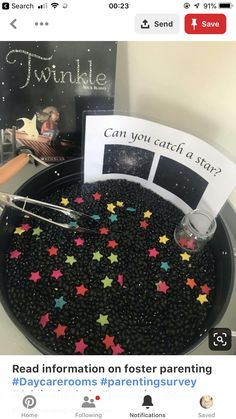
x,y
202,298
19,230
119,203
111,207
147,214
163,239
64,201
185,256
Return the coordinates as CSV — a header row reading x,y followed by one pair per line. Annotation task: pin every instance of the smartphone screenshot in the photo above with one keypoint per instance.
x,y
117,209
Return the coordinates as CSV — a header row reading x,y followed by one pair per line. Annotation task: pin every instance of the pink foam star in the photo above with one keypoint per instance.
x,y
97,196
35,276
153,252
15,254
79,241
190,244
104,230
182,242
117,349
120,280
79,200
205,289
25,227
143,224
162,287
80,346
56,274
44,319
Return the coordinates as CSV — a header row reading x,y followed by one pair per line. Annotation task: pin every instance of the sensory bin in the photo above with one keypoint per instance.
x,y
126,289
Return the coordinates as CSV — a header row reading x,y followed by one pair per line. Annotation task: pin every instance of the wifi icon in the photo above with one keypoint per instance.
x,y
54,5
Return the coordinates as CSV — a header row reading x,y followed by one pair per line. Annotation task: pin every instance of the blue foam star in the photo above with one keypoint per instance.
x,y
165,266
96,217
131,209
113,217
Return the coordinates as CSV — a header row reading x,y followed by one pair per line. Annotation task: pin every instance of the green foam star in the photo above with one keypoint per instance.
x,y
165,266
95,217
97,256
70,260
113,217
59,302
113,258
37,231
103,319
107,282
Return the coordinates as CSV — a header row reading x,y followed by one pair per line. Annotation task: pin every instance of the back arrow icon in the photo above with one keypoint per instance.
x,y
12,23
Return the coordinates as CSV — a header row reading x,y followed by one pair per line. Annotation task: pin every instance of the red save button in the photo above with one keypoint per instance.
x,y
209,24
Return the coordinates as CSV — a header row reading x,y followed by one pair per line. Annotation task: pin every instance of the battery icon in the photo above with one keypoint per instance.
x,y
225,5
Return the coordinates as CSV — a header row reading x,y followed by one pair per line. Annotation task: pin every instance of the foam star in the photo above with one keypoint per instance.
x,y
143,224
205,289
44,319
37,231
111,207
80,346
153,252
81,290
190,244
165,266
147,214
26,227
15,254
56,274
73,224
19,230
103,230
131,209
163,239
108,341
53,251
35,276
79,200
64,201
182,242
79,241
103,319
96,217
162,287
60,330
113,217
70,260
191,283
112,244
107,282
113,258
59,302
185,256
97,196
202,298
97,256
117,349
119,203
120,280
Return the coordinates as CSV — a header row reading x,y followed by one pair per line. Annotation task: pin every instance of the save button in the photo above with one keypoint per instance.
x,y
206,24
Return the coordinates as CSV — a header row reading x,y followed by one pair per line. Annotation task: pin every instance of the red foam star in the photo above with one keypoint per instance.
x,y
44,319
108,341
97,196
79,200
104,230
112,244
81,290
80,346
35,276
56,274
79,241
53,251
205,289
182,242
153,252
162,286
117,349
25,227
190,244
60,330
15,254
120,280
143,224
191,283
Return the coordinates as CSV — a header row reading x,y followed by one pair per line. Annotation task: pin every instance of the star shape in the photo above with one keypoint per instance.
x,y
202,298
182,242
107,282
108,341
165,266
190,244
80,346
153,252
73,224
191,283
35,276
163,239
117,349
162,287
44,319
147,214
111,207
119,203
81,290
113,217
120,280
79,241
112,244
56,274
19,230
26,227
37,231
14,254
79,200
143,224
95,217
70,260
103,230
113,258
97,196
60,330
64,201
131,209
53,251
59,302
205,289
103,319
185,256
97,256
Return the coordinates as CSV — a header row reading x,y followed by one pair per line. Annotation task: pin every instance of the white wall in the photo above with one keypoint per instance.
x,y
190,86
